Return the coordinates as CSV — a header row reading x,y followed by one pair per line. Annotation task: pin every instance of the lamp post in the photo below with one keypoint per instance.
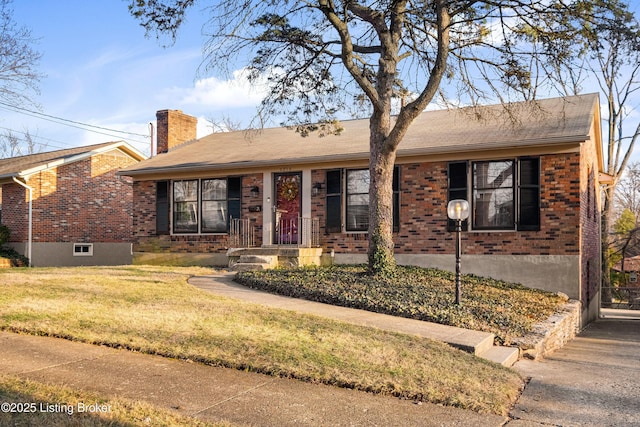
x,y
458,210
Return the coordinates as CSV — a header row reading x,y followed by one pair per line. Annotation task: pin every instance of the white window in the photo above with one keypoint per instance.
x,y
205,205
83,249
493,195
357,200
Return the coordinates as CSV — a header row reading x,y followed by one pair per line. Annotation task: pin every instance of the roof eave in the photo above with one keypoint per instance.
x,y
120,145
253,164
8,178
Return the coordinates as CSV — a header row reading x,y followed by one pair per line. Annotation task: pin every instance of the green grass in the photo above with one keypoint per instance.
x,y
154,310
37,404
508,310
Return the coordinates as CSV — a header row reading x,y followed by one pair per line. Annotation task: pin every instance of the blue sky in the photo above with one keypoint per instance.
x,y
101,69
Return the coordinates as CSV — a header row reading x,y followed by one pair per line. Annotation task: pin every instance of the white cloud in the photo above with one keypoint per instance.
x,y
203,127
214,93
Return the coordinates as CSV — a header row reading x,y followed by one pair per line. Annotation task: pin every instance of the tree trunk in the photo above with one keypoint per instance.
x,y
607,212
381,164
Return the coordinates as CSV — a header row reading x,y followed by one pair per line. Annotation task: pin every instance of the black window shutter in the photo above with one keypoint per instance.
x,y
529,194
457,189
162,207
396,199
234,192
334,201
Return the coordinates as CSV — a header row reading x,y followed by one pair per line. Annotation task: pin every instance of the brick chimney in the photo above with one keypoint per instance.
x,y
174,128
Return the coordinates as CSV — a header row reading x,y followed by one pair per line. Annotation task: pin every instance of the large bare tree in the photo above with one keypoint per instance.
x,y
605,51
19,77
628,190
615,59
393,57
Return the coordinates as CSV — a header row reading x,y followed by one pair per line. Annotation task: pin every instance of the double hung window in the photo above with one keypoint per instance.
x,y
493,195
357,203
356,200
185,206
503,194
205,205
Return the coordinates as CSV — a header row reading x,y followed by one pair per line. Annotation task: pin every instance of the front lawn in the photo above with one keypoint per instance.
x,y
154,310
508,310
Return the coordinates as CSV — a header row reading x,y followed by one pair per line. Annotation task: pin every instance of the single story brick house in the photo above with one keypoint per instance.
x,y
531,174
68,207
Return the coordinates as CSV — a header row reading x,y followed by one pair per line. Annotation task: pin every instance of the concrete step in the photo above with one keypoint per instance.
x,y
252,251
506,356
250,266
475,342
258,259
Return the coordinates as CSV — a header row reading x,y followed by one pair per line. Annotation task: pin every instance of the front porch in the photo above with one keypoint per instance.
x,y
295,244
300,232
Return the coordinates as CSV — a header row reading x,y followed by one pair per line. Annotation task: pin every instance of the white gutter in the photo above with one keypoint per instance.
x,y
30,216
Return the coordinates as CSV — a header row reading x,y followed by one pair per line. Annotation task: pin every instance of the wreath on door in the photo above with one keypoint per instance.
x,y
289,189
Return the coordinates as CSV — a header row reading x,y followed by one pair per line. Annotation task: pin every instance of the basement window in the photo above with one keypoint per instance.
x,y
83,249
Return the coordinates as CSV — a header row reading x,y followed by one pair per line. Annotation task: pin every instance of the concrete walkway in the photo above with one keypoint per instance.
x,y
476,342
592,381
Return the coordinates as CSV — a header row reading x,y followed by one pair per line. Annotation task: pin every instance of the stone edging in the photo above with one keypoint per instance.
x,y
552,333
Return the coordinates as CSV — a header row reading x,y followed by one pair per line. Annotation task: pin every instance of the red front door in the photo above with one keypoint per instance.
x,y
288,206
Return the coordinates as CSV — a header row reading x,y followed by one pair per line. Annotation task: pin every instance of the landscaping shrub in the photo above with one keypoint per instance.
x,y
4,234
506,309
17,260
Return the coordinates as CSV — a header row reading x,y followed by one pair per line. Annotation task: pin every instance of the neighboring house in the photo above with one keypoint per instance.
x,y
627,292
531,176
628,265
68,207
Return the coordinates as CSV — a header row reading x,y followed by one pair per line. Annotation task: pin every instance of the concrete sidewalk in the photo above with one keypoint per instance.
x,y
214,394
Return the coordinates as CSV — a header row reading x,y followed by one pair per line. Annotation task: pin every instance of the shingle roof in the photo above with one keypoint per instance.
x,y
630,264
545,122
23,165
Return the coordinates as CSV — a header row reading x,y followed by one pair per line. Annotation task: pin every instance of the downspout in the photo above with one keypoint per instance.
x,y
30,239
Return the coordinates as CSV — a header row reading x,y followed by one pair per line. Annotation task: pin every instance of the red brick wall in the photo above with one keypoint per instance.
x,y
423,217
14,211
80,202
144,222
144,215
173,128
591,225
